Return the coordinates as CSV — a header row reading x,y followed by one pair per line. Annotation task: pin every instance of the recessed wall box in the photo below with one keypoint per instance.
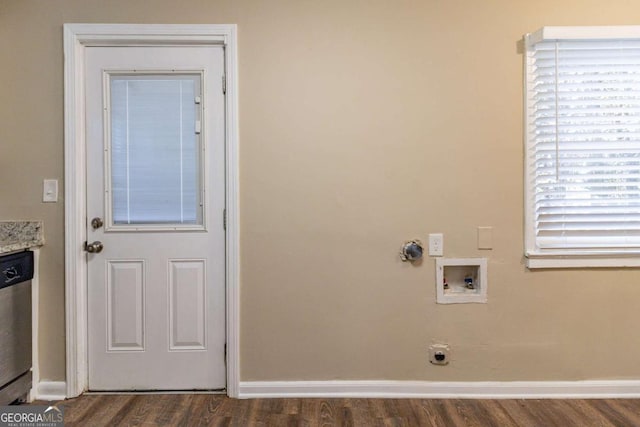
x,y
461,280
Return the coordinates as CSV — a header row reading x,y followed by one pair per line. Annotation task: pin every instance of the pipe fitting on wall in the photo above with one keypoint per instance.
x,y
411,250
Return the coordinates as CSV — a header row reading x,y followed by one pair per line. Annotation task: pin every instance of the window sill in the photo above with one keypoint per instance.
x,y
539,261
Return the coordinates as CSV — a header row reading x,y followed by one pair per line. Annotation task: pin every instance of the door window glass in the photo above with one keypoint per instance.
x,y
155,157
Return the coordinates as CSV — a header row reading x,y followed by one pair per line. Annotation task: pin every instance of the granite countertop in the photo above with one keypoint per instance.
x,y
18,235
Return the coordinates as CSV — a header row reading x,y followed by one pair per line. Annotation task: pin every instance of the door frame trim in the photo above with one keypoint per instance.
x,y
77,37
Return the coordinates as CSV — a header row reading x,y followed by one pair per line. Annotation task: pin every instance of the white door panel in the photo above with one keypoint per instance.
x,y
155,174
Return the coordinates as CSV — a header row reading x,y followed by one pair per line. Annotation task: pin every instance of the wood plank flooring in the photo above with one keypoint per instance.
x,y
217,410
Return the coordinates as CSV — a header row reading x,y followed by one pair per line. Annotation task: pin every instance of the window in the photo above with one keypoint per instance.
x,y
582,154
155,163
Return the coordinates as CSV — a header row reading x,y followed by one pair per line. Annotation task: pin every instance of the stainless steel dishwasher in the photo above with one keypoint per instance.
x,y
16,272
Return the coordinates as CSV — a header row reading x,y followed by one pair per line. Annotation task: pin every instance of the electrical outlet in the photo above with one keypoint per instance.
x,y
436,244
439,354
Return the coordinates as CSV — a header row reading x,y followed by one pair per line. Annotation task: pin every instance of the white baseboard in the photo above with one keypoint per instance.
x,y
443,390
49,390
590,389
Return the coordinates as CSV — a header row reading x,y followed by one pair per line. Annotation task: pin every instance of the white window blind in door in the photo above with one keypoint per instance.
x,y
583,145
155,149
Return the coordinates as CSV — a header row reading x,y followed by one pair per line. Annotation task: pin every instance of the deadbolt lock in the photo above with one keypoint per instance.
x,y
96,223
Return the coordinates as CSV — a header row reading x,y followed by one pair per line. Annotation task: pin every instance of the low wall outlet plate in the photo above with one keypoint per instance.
x,y
439,354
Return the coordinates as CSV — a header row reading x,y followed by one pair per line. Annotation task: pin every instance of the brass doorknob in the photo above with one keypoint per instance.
x,y
95,247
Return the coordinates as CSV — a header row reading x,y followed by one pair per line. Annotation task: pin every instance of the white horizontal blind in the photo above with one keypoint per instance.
x,y
155,158
584,143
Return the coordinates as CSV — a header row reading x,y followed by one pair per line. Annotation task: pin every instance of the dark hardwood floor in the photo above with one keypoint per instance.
x,y
94,410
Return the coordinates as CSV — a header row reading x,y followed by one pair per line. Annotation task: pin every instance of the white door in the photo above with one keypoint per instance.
x,y
155,180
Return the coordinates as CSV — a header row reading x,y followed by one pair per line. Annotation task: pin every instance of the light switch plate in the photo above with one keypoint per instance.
x,y
50,190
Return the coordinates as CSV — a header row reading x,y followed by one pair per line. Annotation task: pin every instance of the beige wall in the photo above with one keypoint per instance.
x,y
363,123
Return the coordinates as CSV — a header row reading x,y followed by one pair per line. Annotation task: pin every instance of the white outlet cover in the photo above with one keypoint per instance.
x,y
439,349
436,244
